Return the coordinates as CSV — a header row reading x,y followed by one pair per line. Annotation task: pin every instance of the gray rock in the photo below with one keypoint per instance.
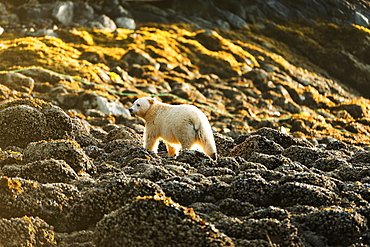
x,y
100,103
17,82
234,20
8,19
63,12
361,20
125,22
107,23
82,11
41,75
136,56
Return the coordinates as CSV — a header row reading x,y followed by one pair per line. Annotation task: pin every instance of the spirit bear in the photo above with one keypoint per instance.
x,y
183,125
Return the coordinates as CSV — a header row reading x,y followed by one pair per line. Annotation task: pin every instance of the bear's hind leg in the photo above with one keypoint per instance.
x,y
186,137
172,150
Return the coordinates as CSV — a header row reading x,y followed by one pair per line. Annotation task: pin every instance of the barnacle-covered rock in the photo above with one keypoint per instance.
x,y
195,158
268,229
311,178
255,190
156,221
106,197
235,207
256,143
46,171
67,150
340,226
330,164
26,231
304,155
269,161
51,202
283,139
293,193
183,191
25,121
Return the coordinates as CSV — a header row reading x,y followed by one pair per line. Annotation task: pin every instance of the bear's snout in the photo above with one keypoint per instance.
x,y
131,110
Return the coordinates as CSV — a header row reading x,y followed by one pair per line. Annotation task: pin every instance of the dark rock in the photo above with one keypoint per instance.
x,y
312,179
82,12
154,221
10,157
234,20
136,56
223,144
356,110
270,212
360,157
122,157
283,139
353,173
113,9
230,163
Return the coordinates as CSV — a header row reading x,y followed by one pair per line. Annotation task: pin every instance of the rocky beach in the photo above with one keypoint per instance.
x,y
284,84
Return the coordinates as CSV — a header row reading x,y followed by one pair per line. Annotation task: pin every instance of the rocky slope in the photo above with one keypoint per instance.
x,y
287,100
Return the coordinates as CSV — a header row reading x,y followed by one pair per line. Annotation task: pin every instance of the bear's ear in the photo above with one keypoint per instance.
x,y
151,100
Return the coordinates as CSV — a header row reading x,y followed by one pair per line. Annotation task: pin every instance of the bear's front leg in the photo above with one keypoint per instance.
x,y
151,142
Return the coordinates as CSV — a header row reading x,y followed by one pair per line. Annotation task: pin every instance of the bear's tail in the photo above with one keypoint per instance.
x,y
207,141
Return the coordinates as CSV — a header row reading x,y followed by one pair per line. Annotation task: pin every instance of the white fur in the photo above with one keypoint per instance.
x,y
183,125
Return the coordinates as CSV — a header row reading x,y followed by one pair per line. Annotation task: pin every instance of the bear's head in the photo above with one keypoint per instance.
x,y
141,106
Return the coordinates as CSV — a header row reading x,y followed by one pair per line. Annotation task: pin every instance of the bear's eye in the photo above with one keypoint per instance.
x,y
138,105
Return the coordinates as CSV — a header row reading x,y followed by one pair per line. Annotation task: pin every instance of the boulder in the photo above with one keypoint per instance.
x,y
25,121
63,12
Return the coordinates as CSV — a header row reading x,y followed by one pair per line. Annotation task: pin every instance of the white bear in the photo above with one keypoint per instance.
x,y
183,125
